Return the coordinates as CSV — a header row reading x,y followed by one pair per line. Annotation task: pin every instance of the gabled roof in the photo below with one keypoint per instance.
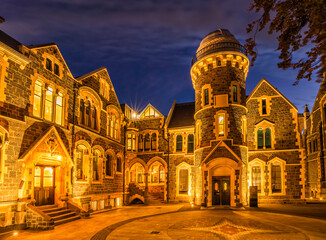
x,y
151,106
182,115
9,41
47,45
265,120
263,80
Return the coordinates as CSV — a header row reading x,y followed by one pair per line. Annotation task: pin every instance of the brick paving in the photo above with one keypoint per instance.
x,y
186,222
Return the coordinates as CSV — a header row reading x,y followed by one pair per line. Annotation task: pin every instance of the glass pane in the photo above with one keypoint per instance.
x,y
190,143
221,125
37,177
183,181
179,143
276,179
48,177
268,138
256,177
264,106
48,104
206,96
260,137
58,115
235,94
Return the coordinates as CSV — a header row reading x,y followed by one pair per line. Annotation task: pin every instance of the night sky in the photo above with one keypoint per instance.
x,y
147,46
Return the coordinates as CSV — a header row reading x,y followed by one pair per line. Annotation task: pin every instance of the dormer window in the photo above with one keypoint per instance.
x,y
56,69
48,64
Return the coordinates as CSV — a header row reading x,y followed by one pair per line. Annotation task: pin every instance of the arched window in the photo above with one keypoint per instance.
x,y
81,163
154,140
48,114
116,129
112,126
87,114
183,181
219,63
37,105
119,164
109,165
96,165
179,143
137,173
221,126
162,174
147,142
276,178
268,142
94,120
190,143
82,111
260,137
140,142
59,108
256,177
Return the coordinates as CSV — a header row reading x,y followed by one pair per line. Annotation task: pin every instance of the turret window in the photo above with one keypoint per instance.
x,y
206,96
235,93
221,125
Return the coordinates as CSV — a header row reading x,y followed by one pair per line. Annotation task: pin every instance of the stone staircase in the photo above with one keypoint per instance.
x,y
155,198
59,215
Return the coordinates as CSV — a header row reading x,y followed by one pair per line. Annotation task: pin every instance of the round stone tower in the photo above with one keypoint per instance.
x,y
219,70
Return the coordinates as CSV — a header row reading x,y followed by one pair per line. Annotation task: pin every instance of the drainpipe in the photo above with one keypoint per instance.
x,y
73,137
123,166
168,167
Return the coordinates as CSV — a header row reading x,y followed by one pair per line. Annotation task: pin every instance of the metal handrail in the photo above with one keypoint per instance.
x,y
218,47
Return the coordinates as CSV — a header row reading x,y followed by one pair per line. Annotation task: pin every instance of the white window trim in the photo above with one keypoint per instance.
x,y
262,164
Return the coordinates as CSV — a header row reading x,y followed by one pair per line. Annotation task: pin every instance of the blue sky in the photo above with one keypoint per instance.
x,y
146,46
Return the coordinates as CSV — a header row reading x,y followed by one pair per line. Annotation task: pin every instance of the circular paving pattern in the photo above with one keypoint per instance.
x,y
203,224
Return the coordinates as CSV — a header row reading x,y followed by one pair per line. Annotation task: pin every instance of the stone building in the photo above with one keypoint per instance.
x,y
314,138
68,147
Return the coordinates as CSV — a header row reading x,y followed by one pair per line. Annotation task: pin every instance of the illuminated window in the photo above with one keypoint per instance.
x,y
221,125
104,89
109,165
149,113
96,165
263,105
37,177
140,142
178,147
147,142
56,69
162,174
116,129
134,142
119,164
37,107
59,108
81,163
157,173
3,137
260,136
244,129
48,114
137,173
129,142
256,177
190,143
276,178
48,64
235,93
112,126
154,140
206,97
197,134
183,181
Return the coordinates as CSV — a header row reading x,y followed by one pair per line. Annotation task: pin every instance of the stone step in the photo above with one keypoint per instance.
x,y
47,207
50,210
66,220
58,213
64,216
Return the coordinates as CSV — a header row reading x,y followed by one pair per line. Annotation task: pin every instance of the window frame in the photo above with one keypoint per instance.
x,y
178,143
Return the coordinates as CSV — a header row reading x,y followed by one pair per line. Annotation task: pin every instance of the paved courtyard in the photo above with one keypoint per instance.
x,y
186,222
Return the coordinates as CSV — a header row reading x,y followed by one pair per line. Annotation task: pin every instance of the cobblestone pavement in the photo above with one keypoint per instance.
x,y
184,222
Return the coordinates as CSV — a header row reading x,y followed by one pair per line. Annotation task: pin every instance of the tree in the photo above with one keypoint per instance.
x,y
300,24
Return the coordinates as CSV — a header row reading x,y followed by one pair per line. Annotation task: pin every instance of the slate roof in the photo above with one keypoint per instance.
x,y
183,115
9,41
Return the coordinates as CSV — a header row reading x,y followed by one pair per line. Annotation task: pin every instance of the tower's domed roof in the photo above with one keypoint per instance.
x,y
217,41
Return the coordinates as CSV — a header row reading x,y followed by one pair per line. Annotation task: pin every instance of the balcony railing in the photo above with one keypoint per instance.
x,y
217,47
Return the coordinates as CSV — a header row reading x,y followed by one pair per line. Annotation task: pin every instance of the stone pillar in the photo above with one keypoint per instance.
x,y
146,189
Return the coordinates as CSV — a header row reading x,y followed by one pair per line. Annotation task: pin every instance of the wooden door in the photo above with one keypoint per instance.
x,y
221,191
44,185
